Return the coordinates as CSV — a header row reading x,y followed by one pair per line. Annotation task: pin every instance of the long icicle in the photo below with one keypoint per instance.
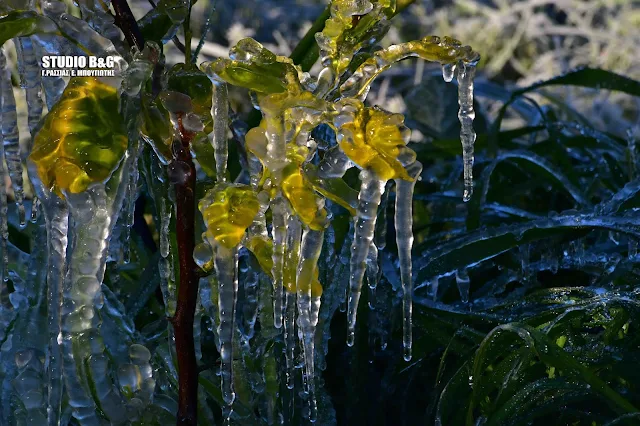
x,y
4,227
226,264
57,221
11,136
218,138
308,308
92,213
279,216
372,271
466,114
130,203
294,234
31,82
369,197
404,240
46,44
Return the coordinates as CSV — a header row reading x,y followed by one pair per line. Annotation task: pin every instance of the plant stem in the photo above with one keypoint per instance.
x,y
187,36
306,51
127,22
182,321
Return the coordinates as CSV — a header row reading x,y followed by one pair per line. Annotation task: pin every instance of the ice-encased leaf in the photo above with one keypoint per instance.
x,y
374,139
228,210
354,25
444,50
256,68
83,138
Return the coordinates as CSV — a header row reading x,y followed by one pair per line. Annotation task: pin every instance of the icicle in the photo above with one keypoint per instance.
x,y
279,220
197,330
344,259
448,72
4,228
250,305
53,86
463,283
218,138
466,114
130,203
226,264
294,233
11,136
404,240
372,273
368,201
93,213
31,81
308,307
101,21
166,269
56,217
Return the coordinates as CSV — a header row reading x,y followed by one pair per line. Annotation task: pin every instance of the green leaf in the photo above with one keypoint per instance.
x,y
584,77
588,77
484,244
549,353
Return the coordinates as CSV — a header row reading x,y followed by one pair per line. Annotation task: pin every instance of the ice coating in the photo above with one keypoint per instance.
x,y
95,13
82,297
404,240
371,190
446,51
11,136
466,72
83,138
286,175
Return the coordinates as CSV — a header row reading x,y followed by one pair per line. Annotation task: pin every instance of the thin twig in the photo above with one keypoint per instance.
x,y
183,319
125,20
205,31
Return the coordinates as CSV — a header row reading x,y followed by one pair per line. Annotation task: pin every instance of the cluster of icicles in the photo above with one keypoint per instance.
x,y
82,236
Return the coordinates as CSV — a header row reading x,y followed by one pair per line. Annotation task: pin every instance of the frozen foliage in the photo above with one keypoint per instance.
x,y
103,140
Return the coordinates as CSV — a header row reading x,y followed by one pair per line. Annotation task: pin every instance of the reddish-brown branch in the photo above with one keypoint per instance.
x,y
185,187
182,321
